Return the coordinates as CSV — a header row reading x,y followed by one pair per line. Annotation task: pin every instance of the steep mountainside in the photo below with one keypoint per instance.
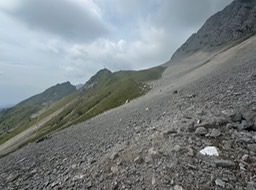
x,y
30,108
195,130
236,21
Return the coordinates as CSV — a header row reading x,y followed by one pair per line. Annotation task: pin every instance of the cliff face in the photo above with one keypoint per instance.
x,y
236,21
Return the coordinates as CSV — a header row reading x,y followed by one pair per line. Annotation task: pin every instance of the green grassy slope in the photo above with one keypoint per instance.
x,y
104,91
25,111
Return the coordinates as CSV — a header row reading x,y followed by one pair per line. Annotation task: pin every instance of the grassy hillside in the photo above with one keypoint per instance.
x,y
104,91
28,109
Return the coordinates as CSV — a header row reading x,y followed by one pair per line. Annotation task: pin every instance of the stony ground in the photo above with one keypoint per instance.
x,y
154,142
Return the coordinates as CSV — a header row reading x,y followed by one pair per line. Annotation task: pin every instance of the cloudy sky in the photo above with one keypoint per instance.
x,y
44,42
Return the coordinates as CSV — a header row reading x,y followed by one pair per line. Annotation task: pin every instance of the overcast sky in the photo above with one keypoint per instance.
x,y
44,42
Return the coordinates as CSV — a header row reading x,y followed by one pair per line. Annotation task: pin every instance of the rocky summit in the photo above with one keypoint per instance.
x,y
236,21
195,129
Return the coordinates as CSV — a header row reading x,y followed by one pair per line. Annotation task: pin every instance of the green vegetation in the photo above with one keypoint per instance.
x,y
20,117
104,91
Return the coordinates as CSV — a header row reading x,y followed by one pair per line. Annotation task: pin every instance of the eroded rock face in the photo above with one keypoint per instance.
x,y
236,21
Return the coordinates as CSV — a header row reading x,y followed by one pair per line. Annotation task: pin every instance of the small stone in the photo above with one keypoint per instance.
x,y
177,148
215,133
248,115
175,92
153,181
253,127
224,163
191,95
201,131
242,166
115,185
220,183
114,156
236,117
92,161
209,151
153,153
252,147
178,187
89,184
138,160
245,157
114,169
190,151
167,133
245,125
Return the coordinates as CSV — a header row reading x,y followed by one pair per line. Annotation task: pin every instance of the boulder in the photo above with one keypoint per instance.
x,y
201,131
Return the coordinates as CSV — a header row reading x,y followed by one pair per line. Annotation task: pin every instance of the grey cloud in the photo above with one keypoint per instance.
x,y
62,17
186,13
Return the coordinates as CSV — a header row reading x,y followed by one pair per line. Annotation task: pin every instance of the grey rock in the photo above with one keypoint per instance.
x,y
153,181
138,160
252,147
253,127
245,157
208,124
215,133
246,140
153,153
249,115
178,187
167,133
236,116
201,131
191,96
220,183
224,163
245,124
114,169
114,156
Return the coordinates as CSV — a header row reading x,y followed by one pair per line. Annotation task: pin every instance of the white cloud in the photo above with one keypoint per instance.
x,y
71,19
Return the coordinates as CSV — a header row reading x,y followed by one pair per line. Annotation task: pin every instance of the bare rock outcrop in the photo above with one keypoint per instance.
x,y
237,21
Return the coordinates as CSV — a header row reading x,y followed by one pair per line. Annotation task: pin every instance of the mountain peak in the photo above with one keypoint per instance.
x,y
236,21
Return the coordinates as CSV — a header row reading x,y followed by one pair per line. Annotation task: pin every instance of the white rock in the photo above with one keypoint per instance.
x,y
209,151
220,183
178,187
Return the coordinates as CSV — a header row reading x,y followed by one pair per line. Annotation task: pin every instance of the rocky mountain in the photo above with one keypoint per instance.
x,y
237,21
16,116
194,130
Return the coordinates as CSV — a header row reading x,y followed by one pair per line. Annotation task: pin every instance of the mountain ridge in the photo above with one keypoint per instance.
x,y
16,116
234,22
